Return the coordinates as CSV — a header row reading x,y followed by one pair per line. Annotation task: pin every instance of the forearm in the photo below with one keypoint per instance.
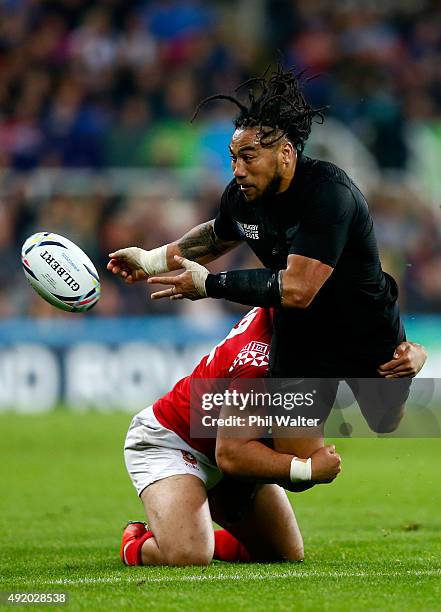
x,y
294,287
252,460
259,287
200,244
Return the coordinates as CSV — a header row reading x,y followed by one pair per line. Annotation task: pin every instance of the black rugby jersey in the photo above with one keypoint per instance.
x,y
324,216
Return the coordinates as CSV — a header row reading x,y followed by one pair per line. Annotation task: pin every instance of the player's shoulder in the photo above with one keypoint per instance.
x,y
330,190
248,354
318,170
254,327
251,361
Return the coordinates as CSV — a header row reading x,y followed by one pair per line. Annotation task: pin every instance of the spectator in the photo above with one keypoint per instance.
x,y
85,88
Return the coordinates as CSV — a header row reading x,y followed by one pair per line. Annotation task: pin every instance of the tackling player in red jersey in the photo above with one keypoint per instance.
x,y
179,478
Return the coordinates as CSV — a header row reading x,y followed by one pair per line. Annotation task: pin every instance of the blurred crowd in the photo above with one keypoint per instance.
x,y
96,141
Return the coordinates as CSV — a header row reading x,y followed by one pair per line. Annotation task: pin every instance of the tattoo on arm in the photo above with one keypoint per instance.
x,y
201,243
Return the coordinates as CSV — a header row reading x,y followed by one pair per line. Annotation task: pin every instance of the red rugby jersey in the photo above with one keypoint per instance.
x,y
243,353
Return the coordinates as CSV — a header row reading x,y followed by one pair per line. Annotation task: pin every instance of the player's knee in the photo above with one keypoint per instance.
x,y
388,423
296,554
188,555
385,428
289,550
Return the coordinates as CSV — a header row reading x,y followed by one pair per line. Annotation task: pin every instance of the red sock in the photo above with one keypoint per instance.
x,y
133,552
228,548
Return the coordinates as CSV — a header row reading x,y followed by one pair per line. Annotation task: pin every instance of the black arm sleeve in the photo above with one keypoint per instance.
x,y
323,234
258,287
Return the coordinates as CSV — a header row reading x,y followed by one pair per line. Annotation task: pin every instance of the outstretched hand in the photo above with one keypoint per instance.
x,y
127,263
190,284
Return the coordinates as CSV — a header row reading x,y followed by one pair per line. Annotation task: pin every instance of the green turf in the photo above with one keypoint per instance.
x,y
373,538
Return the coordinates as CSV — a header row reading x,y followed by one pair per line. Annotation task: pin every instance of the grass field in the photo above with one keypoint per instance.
x,y
373,538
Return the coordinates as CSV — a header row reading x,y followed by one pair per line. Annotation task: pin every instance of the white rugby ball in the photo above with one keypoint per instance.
x,y
60,272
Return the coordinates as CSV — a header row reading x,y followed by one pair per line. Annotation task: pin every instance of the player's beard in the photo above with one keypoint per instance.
x,y
273,187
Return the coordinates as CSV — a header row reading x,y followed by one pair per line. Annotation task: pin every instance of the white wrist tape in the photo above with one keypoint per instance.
x,y
155,261
300,470
199,275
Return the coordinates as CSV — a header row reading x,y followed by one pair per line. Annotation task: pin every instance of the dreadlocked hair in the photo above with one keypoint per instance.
x,y
279,109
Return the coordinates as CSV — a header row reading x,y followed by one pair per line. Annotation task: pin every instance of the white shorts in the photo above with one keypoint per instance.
x,y
153,452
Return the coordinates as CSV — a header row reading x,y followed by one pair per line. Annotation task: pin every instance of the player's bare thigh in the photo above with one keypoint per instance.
x,y
179,517
266,526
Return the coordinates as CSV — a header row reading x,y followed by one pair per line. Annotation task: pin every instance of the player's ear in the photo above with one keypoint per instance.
x,y
288,153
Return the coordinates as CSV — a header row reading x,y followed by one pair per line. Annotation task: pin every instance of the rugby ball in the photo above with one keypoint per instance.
x,y
60,272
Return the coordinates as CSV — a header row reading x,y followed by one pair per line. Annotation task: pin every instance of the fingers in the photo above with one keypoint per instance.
x,y
399,365
167,293
113,267
403,372
162,280
402,348
123,261
171,293
392,365
400,356
402,365
163,294
117,258
387,366
401,375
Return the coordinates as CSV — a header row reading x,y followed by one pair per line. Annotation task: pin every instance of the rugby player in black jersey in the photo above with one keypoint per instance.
x,y
336,310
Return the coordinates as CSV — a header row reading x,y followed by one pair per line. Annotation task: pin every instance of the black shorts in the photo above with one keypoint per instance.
x,y
312,345
323,357
380,400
